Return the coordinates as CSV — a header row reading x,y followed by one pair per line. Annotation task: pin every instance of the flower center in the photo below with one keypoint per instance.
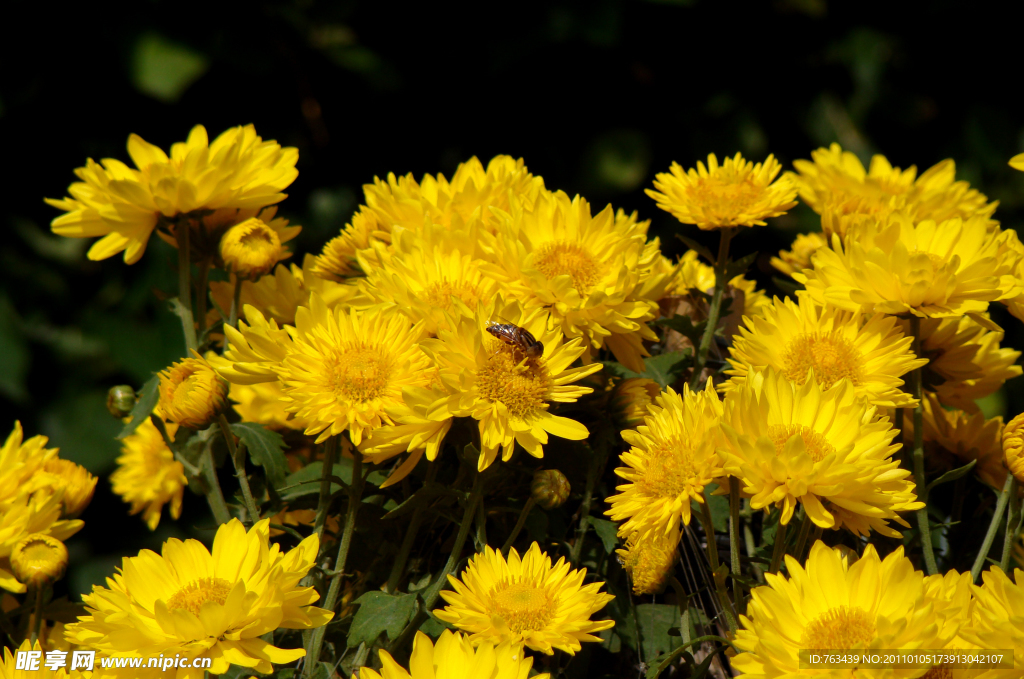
x,y
439,294
192,596
832,357
39,552
817,446
669,469
560,257
521,606
725,195
839,628
358,372
521,385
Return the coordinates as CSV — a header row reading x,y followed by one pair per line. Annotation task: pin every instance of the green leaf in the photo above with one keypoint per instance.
x,y
147,400
700,249
787,285
608,532
655,621
266,449
739,266
379,612
618,370
719,505
951,475
14,354
306,481
685,326
164,69
664,368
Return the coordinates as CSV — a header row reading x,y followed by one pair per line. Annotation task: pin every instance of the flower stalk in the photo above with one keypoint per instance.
x,y
993,527
323,503
1012,524
181,235
918,455
714,310
237,454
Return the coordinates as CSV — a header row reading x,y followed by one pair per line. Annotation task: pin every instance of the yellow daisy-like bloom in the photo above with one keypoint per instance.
x,y
124,205
39,560
338,370
837,177
630,399
8,664
965,437
965,361
76,482
799,257
592,272
147,475
525,601
191,392
250,249
1013,446
831,604
453,657
997,618
797,338
217,605
263,402
736,193
649,560
824,448
508,393
930,269
671,458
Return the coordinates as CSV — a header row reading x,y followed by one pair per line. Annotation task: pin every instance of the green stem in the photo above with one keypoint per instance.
x,y
201,294
1012,525
323,503
734,538
181,235
190,469
993,526
748,540
355,496
37,618
922,487
214,495
236,300
481,526
398,568
779,547
519,525
636,621
715,308
709,532
237,454
684,609
801,537
594,474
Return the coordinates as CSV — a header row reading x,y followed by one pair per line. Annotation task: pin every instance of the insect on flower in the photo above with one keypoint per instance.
x,y
519,338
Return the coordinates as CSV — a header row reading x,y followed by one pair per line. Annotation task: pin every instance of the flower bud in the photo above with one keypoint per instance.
x,y
550,488
629,401
1013,446
649,560
77,483
38,560
120,400
191,393
251,248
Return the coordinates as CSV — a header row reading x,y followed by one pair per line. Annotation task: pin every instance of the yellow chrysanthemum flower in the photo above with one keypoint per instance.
x,y
649,560
77,484
837,177
736,193
796,338
832,604
629,401
930,269
147,475
965,361
510,394
8,664
799,257
525,601
671,458
191,392
964,437
592,272
338,370
124,205
827,449
217,605
453,657
997,618
1013,446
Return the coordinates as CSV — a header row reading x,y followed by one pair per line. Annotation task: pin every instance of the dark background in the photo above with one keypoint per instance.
x,y
596,95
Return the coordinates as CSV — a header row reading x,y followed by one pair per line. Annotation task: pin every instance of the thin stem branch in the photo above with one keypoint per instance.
x,y
237,454
713,311
636,621
801,537
734,538
993,527
236,301
181,235
594,474
323,503
684,609
779,547
201,294
919,480
398,568
37,616
527,508
709,532
1012,524
214,495
748,541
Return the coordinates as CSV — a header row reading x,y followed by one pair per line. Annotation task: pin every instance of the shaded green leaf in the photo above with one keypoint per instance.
x,y
739,266
952,475
379,612
306,481
719,505
787,285
14,354
608,532
665,368
164,69
697,247
685,326
266,449
146,401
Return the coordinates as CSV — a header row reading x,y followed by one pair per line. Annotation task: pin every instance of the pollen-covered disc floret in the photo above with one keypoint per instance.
x,y
671,458
197,603
826,449
525,601
497,384
123,204
454,657
796,338
191,392
147,475
831,604
735,193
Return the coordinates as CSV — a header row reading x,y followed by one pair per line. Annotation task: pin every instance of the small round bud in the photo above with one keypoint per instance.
x,y
629,401
76,482
38,560
251,248
550,488
120,401
191,393
1013,446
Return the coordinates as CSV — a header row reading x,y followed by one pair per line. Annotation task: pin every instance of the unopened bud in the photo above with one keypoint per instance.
x,y
550,488
39,560
191,393
120,400
251,248
1013,446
